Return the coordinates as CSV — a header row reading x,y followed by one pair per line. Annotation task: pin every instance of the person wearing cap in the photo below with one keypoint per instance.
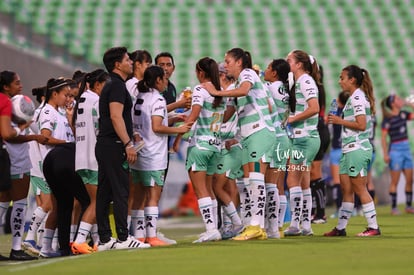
x,y
397,152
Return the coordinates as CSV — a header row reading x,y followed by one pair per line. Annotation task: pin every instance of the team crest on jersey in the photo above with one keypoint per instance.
x,y
308,81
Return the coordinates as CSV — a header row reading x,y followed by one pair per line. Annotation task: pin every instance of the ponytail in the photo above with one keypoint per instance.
x,y
245,56
367,87
210,68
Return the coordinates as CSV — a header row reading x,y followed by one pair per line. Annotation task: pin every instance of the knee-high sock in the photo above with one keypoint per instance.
x,y
282,210
344,214
370,214
151,218
206,209
296,204
17,223
306,209
272,207
245,207
37,218
257,194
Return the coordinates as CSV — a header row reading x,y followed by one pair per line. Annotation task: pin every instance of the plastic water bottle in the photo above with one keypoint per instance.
x,y
334,107
289,131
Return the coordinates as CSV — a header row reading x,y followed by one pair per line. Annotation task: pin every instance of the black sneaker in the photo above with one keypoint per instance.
x,y
2,258
20,255
335,233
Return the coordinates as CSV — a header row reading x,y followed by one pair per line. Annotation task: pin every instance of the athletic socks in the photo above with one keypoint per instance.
x,y
151,218
282,210
296,204
306,209
206,209
318,198
47,240
83,232
231,212
408,199
344,214
3,210
215,213
272,207
370,214
17,223
94,234
37,219
73,231
140,230
133,222
393,199
245,213
257,194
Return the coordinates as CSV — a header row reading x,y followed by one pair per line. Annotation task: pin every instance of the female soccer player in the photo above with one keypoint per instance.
x,y
207,113
356,149
397,153
305,142
257,133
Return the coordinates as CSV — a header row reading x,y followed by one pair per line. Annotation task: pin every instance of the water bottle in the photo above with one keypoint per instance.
x,y
289,131
334,108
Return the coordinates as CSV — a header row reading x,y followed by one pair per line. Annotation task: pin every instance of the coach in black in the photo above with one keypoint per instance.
x,y
114,148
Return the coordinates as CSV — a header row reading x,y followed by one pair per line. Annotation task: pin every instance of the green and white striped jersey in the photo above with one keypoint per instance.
x,y
253,109
206,132
281,106
356,105
305,89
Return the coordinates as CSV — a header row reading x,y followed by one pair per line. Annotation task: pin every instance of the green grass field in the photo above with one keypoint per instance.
x,y
390,253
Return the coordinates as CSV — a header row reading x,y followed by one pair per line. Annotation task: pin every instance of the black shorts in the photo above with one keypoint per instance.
x,y
325,140
5,178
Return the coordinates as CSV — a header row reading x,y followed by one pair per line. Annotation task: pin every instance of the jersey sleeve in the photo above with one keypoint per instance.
x,y
159,107
198,96
309,89
47,120
5,106
358,104
247,76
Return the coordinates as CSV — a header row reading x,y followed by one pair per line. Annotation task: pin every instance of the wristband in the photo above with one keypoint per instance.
x,y
126,144
18,131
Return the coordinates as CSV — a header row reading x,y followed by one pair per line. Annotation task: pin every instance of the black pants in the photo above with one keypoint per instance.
x,y
113,185
66,184
5,179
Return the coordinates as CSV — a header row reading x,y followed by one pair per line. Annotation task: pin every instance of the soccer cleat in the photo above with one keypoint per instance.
x,y
307,232
154,241
292,231
20,255
95,247
227,233
81,248
108,245
263,235
130,243
335,233
208,236
165,239
395,212
3,258
30,247
370,232
318,220
273,234
49,254
409,210
250,232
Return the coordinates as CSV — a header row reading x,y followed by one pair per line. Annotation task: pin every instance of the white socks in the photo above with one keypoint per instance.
x,y
83,232
257,194
344,214
139,230
296,204
17,220
206,209
245,213
231,212
370,214
151,218
272,207
37,218
306,209
282,210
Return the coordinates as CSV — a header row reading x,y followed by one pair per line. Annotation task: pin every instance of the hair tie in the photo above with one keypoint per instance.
x,y
311,59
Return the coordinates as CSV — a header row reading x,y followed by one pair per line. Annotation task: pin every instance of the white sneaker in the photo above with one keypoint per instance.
x,y
130,243
165,239
212,235
108,245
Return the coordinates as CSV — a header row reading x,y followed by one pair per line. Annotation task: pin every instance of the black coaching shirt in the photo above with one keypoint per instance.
x,y
114,91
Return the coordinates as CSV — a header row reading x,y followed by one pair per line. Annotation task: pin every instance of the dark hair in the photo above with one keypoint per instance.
x,y
39,92
245,56
140,56
112,55
78,76
91,78
164,54
151,74
321,90
55,85
210,68
6,78
386,106
282,68
343,97
363,81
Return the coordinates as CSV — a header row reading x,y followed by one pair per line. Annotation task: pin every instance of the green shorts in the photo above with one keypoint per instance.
x,y
281,153
148,178
39,183
229,162
19,176
258,146
355,163
88,176
304,150
200,160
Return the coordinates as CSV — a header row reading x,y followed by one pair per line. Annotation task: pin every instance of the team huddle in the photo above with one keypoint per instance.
x,y
102,139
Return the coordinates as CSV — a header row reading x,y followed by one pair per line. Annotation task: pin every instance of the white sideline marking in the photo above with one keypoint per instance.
x,y
43,262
